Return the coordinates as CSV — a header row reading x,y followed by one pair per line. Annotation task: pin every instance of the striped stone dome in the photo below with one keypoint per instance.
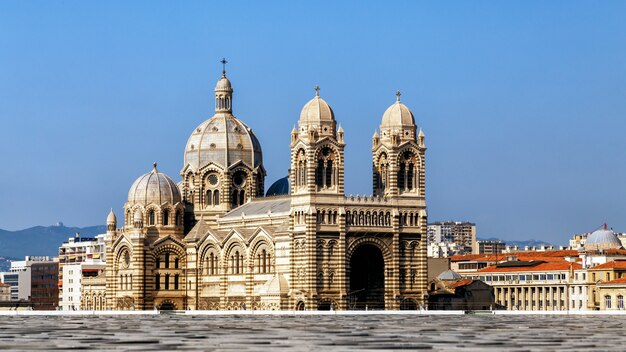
x,y
223,139
154,188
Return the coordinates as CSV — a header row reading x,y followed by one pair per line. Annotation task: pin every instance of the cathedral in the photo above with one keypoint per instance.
x,y
217,241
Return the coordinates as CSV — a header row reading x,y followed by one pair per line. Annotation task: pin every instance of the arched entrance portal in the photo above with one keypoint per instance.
x,y
408,304
367,278
167,306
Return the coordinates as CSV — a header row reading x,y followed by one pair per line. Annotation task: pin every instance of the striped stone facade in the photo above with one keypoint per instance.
x,y
215,242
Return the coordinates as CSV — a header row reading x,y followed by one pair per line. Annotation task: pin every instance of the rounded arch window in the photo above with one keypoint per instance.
x,y
124,261
239,179
408,175
326,168
151,218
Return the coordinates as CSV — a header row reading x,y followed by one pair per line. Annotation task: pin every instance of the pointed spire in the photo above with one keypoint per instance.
x,y
111,219
340,130
294,130
421,133
375,134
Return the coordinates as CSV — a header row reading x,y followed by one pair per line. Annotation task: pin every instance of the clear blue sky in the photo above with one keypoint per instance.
x,y
523,103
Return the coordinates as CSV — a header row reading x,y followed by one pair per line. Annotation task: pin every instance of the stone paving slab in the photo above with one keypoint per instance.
x,y
342,332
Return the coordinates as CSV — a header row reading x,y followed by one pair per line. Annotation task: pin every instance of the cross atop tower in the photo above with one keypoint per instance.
x,y
317,91
224,62
398,94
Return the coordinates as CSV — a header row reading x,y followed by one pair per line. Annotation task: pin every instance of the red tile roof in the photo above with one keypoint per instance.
x,y
460,283
617,264
614,282
548,256
561,266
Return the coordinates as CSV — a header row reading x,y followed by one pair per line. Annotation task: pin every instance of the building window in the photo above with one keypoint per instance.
x,y
407,171
300,171
239,184
151,217
620,302
208,198
326,173
177,219
157,281
211,262
607,302
167,281
176,281
236,263
166,217
216,197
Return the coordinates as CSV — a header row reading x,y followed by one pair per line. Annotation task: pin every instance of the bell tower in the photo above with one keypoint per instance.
x,y
398,154
317,150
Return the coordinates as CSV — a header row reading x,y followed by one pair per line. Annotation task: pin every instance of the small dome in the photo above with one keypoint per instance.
x,y
138,216
111,219
449,275
223,84
397,115
316,111
279,188
603,239
154,187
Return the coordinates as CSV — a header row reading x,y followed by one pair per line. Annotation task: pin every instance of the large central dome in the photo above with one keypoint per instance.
x,y
223,139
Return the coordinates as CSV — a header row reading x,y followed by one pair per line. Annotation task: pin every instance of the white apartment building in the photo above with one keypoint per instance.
x,y
461,233
441,249
79,257
11,279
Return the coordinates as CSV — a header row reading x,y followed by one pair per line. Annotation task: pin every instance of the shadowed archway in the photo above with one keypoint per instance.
x,y
367,278
167,305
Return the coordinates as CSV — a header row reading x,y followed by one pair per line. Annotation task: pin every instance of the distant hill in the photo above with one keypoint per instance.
x,y
41,240
521,243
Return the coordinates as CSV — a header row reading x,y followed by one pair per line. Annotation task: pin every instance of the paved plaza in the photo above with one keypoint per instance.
x,y
313,332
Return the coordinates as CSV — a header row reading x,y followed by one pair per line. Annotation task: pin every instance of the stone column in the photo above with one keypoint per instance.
x,y
340,278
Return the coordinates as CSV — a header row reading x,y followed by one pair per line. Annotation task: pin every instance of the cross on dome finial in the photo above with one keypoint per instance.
x,y
398,94
317,91
154,164
224,62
